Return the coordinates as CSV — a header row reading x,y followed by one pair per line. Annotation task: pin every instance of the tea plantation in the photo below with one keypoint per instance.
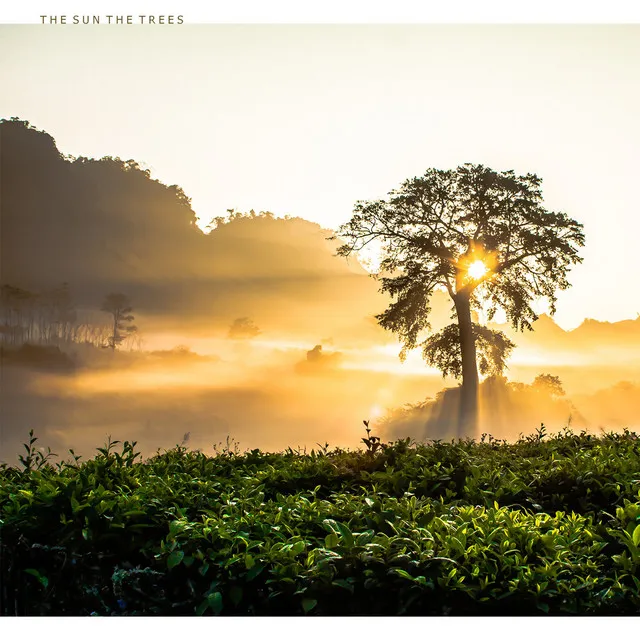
x,y
546,525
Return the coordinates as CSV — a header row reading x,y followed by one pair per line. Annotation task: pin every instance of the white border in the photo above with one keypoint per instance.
x,y
337,11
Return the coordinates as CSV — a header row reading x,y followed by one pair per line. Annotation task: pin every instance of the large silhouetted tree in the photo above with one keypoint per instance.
x,y
484,237
119,306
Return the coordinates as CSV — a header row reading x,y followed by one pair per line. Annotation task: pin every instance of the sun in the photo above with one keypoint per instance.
x,y
477,269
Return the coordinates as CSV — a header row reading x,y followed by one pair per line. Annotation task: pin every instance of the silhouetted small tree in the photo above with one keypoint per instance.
x,y
119,306
549,384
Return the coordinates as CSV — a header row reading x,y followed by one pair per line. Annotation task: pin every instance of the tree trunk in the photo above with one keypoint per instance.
x,y
468,417
115,331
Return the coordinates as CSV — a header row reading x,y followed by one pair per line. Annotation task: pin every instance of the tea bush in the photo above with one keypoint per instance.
x,y
546,525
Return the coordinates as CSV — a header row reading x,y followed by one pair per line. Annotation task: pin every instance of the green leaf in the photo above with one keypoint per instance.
x,y
636,536
254,571
331,541
345,584
249,561
346,533
456,544
330,524
44,581
298,547
174,559
308,604
175,526
215,602
134,512
202,607
75,505
404,574
426,518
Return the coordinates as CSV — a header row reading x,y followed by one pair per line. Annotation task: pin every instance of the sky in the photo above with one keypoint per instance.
x,y
305,120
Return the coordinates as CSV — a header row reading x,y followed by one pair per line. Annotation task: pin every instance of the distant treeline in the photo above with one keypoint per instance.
x,y
50,317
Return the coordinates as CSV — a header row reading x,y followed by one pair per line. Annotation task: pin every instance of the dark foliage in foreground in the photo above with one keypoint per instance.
x,y
545,525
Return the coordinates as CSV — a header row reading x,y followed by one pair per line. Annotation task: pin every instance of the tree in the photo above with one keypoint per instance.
x,y
119,306
15,316
546,383
243,329
482,236
61,313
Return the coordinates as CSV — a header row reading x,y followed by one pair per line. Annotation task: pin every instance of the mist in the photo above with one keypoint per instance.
x,y
254,331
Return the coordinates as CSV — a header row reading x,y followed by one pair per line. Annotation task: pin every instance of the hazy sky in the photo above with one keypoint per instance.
x,y
306,120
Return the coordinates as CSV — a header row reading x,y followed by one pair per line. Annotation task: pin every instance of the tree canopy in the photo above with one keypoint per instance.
x,y
481,235
119,306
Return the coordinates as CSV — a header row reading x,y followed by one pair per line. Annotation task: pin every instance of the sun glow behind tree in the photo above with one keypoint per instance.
x,y
477,269
486,239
